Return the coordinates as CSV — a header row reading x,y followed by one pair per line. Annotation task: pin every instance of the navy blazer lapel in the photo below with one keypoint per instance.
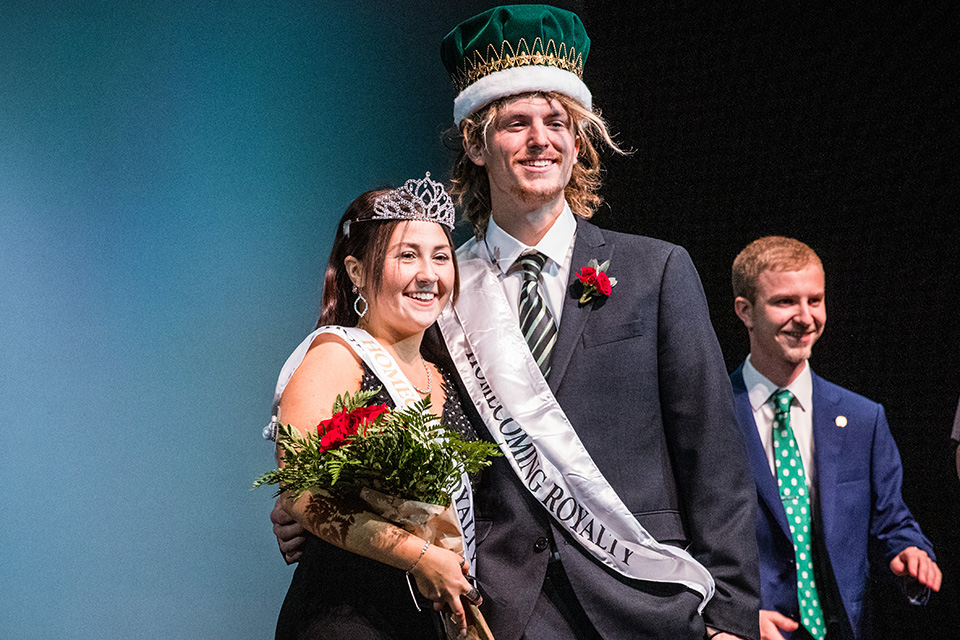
x,y
828,442
767,489
589,244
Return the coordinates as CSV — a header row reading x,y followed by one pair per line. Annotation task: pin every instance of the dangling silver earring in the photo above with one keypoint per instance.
x,y
356,303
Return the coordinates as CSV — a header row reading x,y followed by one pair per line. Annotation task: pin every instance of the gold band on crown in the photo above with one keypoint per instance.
x,y
477,66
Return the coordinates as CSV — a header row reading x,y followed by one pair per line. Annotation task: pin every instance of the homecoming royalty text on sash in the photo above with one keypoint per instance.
x,y
525,419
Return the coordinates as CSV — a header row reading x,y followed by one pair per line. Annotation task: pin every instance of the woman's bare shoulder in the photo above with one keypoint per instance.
x,y
329,368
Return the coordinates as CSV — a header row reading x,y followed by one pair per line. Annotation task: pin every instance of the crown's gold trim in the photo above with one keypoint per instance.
x,y
476,66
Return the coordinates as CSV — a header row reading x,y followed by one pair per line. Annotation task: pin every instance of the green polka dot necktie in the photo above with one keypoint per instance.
x,y
536,323
796,502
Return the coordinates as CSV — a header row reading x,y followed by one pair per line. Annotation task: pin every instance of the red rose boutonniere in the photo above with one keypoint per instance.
x,y
595,281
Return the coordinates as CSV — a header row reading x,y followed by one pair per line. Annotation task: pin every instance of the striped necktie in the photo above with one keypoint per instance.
x,y
796,503
536,323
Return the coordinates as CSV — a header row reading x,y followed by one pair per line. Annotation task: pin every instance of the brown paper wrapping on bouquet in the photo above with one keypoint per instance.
x,y
439,526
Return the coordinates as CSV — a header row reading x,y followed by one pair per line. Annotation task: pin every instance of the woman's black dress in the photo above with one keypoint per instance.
x,y
336,594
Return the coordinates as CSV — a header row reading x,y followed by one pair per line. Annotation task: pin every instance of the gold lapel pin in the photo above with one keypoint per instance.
x,y
841,421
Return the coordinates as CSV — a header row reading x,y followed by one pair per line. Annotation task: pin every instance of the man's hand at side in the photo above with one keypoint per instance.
x,y
290,535
916,564
773,622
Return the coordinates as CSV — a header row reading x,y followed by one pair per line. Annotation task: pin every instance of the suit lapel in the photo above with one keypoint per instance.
x,y
589,244
828,442
767,489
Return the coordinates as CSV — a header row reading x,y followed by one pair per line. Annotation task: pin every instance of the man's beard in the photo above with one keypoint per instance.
x,y
537,196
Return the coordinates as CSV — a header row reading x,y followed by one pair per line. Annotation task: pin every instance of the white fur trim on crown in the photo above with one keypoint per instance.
x,y
519,80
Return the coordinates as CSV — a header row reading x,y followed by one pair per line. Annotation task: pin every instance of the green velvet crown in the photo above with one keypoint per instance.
x,y
515,37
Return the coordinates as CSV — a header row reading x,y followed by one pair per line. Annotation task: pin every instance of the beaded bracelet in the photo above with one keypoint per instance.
x,y
417,561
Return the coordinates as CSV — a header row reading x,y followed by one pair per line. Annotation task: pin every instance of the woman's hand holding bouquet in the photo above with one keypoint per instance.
x,y
403,466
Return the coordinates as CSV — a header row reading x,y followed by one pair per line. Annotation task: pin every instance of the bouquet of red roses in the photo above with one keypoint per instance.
x,y
402,453
402,463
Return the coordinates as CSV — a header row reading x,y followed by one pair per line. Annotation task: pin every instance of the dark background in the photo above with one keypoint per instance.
x,y
837,126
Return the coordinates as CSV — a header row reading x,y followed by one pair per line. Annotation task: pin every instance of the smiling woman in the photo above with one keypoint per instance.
x,y
365,237
392,270
416,279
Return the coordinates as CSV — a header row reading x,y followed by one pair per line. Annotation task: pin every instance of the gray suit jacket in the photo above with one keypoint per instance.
x,y
642,380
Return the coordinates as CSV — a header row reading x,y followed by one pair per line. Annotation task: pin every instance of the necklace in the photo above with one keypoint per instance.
x,y
429,380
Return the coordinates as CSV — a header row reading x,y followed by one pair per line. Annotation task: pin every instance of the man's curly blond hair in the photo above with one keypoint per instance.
x,y
471,188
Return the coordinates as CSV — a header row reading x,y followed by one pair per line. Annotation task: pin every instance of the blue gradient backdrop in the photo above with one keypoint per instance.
x,y
170,174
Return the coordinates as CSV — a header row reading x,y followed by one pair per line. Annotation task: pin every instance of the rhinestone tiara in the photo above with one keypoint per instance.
x,y
416,200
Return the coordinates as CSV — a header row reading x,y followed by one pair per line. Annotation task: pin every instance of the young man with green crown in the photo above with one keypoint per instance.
x,y
622,507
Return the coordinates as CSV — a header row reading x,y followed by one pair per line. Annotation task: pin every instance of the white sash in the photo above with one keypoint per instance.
x,y
543,449
403,394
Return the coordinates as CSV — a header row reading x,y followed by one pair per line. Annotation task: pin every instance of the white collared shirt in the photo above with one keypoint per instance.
x,y
760,390
556,244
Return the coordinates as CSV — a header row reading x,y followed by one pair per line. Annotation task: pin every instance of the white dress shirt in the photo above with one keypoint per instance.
x,y
760,390
556,244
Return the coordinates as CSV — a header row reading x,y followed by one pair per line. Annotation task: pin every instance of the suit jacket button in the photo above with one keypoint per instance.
x,y
541,544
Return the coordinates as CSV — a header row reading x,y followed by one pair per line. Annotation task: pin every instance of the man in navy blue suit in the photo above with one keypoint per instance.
x,y
827,470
